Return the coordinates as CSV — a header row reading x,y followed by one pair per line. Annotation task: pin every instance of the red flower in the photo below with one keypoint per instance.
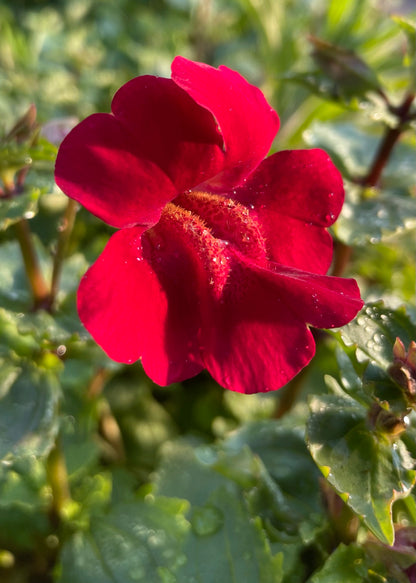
x,y
220,258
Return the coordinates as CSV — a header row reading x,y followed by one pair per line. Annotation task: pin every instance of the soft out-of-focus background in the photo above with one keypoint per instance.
x,y
70,56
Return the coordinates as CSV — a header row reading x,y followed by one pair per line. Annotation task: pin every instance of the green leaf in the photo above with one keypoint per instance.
x,y
345,68
284,454
409,28
375,330
364,467
140,541
224,523
24,498
348,564
22,206
14,290
28,401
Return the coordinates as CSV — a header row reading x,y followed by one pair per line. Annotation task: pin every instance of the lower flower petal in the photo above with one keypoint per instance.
x,y
319,300
253,343
129,313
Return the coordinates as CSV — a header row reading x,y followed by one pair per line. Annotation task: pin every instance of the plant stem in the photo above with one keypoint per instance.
x,y
389,141
38,285
65,232
58,481
342,256
343,252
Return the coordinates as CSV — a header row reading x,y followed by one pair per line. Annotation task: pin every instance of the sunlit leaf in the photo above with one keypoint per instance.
x,y
375,330
368,470
352,565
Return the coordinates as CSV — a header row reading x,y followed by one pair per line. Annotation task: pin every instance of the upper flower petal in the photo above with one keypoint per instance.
x,y
132,314
247,123
171,129
302,184
295,243
99,166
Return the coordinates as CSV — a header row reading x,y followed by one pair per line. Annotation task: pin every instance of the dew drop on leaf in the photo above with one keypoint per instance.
x,y
207,520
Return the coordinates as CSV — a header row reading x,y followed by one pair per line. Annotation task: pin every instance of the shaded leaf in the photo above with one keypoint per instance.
x,y
140,541
23,206
345,68
28,400
283,452
14,290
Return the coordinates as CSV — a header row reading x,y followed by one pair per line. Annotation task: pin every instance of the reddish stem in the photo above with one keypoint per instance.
x,y
343,252
389,141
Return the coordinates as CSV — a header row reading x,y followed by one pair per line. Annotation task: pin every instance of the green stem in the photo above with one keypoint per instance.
x,y
65,232
58,481
38,285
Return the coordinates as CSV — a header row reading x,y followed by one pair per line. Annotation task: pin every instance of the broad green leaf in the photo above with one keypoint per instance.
x,y
23,206
349,564
140,541
28,409
223,528
188,472
213,481
368,470
24,499
284,454
375,330
14,290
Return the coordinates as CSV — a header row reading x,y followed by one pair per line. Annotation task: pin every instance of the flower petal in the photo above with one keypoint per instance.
x,y
98,165
170,129
254,343
295,243
302,184
124,305
247,122
319,300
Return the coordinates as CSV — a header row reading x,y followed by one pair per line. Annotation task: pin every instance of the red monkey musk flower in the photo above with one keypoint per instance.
x,y
220,257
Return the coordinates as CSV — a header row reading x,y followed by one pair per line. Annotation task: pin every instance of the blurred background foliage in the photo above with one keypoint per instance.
x,y
106,477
